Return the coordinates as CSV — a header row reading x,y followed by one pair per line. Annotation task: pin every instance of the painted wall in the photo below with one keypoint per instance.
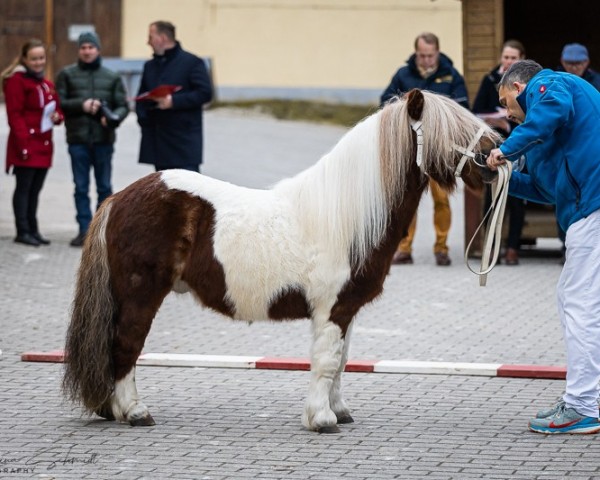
x,y
344,50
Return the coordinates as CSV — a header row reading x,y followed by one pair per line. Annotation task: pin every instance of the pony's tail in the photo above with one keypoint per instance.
x,y
89,376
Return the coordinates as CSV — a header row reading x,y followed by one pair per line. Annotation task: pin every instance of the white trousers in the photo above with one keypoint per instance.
x,y
578,295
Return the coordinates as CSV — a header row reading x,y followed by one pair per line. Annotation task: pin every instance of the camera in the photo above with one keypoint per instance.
x,y
112,119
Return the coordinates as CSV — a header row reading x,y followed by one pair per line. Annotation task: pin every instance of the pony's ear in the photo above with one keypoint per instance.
x,y
414,103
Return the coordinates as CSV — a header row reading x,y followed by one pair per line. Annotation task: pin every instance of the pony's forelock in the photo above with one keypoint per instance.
x,y
444,123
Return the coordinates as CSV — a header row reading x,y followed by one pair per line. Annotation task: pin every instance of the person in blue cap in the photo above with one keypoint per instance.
x,y
559,132
576,60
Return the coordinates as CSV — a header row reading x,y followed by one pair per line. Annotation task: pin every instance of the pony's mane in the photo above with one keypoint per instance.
x,y
445,124
344,200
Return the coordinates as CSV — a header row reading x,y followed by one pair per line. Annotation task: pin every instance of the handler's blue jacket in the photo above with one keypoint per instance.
x,y
445,80
561,132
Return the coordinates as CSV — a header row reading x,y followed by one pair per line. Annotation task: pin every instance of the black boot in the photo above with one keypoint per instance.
x,y
27,239
78,240
39,238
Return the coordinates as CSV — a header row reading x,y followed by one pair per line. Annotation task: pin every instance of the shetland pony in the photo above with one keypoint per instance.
x,y
318,245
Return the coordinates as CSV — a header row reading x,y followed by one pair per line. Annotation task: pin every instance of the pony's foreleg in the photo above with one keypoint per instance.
x,y
336,401
326,355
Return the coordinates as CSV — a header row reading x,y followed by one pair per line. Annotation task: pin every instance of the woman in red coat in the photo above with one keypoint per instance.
x,y
33,109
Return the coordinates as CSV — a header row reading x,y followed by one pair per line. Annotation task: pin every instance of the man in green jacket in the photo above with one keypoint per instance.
x,y
94,103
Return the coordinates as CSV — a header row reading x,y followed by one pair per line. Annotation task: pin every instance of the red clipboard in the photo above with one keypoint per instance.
x,y
158,92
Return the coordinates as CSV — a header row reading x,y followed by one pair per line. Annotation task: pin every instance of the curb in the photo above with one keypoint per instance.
x,y
294,363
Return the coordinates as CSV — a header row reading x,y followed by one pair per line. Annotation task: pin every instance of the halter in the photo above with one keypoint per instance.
x,y
417,127
493,230
468,152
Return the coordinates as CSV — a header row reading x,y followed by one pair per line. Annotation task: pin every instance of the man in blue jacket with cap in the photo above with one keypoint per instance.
x,y
559,131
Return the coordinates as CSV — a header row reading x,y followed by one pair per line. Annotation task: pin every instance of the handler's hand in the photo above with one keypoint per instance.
x,y
495,159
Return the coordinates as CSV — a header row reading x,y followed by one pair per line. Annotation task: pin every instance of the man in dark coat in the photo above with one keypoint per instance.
x,y
172,122
429,69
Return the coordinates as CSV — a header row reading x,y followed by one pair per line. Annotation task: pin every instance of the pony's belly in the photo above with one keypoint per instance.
x,y
258,302
284,287
291,304
262,259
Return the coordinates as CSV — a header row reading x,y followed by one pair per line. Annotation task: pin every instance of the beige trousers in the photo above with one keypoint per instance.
x,y
442,218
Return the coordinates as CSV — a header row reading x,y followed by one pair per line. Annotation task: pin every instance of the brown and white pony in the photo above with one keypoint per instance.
x,y
318,245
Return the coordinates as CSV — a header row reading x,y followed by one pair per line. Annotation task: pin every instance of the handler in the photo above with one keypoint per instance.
x,y
559,117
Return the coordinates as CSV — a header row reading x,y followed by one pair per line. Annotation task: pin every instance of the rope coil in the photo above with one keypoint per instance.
x,y
493,229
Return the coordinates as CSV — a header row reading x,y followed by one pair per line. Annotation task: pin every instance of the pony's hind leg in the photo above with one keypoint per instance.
x,y
105,410
133,326
336,401
326,356
127,405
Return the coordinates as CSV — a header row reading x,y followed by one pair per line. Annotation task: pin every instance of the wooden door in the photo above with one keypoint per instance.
x,y
72,16
51,21
19,22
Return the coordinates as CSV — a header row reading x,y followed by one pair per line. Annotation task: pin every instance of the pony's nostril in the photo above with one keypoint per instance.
x,y
487,175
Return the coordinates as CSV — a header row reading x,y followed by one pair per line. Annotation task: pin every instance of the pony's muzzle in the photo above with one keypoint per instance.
x,y
487,175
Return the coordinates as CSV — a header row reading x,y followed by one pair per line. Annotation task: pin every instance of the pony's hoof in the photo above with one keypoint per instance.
x,y
145,421
345,419
329,429
105,412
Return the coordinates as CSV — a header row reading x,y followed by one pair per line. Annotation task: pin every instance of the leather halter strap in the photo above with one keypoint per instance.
x,y
417,127
468,152
493,232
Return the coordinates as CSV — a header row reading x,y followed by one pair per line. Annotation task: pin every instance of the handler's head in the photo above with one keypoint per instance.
x,y
513,82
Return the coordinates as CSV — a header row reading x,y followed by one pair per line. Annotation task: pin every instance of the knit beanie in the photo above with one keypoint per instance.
x,y
89,37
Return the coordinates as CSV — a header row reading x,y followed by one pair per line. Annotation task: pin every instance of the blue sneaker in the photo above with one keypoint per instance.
x,y
565,420
548,412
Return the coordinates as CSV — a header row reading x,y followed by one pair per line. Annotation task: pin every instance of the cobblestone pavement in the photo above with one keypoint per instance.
x,y
237,424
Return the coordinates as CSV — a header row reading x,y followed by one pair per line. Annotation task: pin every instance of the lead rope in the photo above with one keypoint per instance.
x,y
493,231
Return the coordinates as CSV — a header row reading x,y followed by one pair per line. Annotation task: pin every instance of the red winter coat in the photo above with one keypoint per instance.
x,y
25,98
